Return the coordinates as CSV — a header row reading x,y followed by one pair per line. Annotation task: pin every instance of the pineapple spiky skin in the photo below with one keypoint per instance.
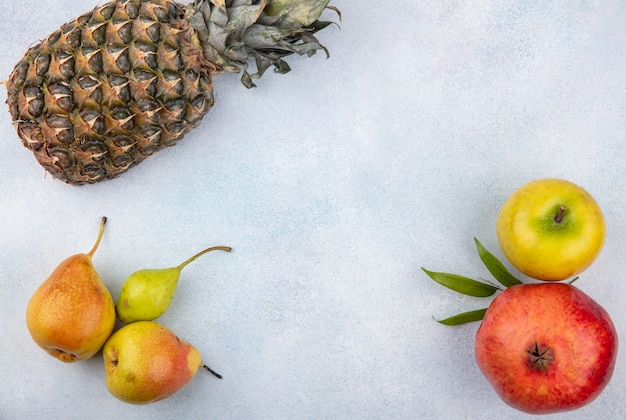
x,y
109,89
123,81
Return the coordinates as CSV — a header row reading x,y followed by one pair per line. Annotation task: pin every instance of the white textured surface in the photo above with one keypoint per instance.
x,y
333,184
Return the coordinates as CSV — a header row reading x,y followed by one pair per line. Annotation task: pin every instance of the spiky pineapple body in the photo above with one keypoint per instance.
x,y
109,89
119,83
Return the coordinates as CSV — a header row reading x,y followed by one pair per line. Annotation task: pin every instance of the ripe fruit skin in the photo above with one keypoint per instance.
x,y
147,294
145,362
574,334
539,244
71,314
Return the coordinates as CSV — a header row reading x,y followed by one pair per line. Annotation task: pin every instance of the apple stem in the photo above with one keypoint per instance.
x,y
212,371
559,216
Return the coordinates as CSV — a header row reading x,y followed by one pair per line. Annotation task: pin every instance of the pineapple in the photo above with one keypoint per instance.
x,y
123,81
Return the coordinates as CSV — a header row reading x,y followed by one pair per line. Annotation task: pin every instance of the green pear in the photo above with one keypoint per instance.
x,y
71,314
145,362
147,294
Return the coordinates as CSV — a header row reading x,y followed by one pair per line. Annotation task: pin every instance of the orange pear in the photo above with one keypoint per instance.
x,y
145,362
72,314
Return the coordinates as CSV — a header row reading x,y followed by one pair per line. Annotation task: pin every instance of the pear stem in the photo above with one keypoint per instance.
x,y
95,246
212,371
214,248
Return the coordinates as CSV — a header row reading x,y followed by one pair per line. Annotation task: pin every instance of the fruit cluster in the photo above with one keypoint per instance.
x,y
544,345
72,317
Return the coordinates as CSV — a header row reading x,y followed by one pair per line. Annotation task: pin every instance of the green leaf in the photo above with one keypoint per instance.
x,y
462,284
464,317
495,267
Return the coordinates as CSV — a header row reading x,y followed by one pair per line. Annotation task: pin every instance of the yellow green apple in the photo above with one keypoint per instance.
x,y
551,229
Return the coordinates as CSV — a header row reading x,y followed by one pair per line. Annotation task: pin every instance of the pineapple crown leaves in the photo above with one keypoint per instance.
x,y
471,287
294,13
234,32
